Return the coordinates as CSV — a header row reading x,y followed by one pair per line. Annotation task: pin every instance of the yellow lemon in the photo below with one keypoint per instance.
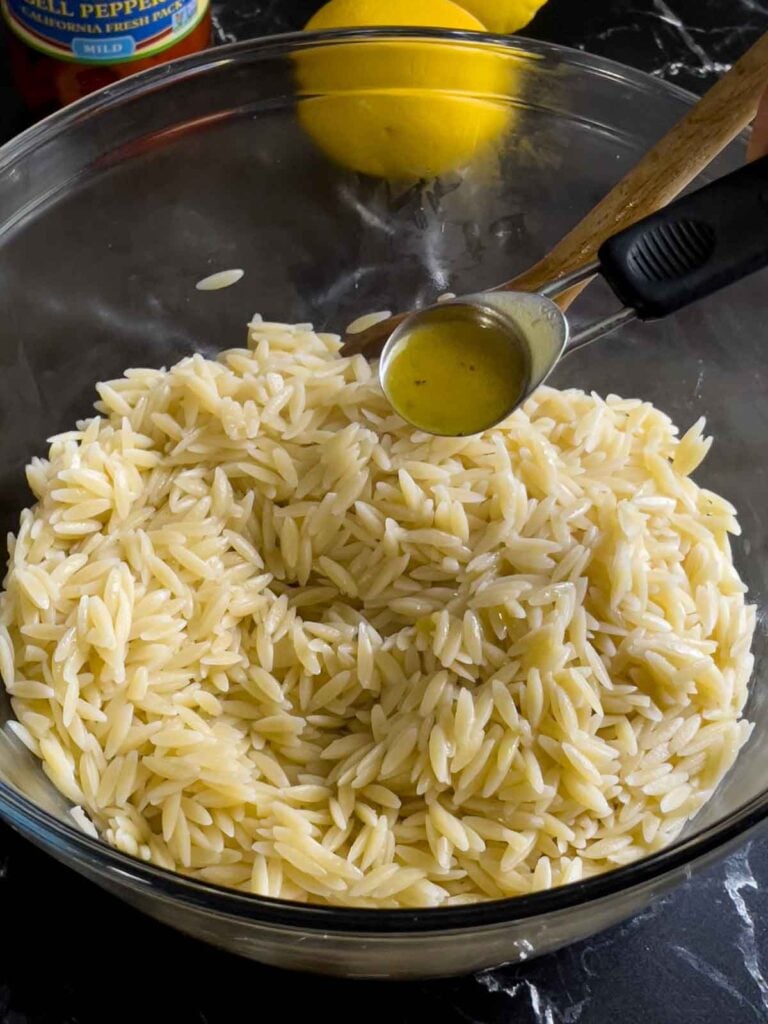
x,y
423,13
504,15
402,109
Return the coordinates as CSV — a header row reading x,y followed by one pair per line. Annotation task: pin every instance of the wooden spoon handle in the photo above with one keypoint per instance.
x,y
673,163
703,133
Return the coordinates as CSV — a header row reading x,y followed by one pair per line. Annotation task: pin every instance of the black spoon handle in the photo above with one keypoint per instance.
x,y
693,247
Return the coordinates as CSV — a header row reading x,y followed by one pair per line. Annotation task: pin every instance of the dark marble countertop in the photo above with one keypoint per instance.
x,y
70,954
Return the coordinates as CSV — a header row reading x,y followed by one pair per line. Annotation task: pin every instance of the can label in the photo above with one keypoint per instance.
x,y
111,32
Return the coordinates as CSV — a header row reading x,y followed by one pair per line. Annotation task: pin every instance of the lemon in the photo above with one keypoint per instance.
x,y
401,109
423,13
504,15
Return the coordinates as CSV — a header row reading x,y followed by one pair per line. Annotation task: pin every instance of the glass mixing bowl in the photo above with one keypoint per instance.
x,y
112,210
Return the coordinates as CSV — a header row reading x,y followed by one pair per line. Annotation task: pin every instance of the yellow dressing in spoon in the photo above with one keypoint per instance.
x,y
455,375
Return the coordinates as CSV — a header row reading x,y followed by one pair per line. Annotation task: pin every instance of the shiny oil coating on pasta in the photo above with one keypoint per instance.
x,y
262,632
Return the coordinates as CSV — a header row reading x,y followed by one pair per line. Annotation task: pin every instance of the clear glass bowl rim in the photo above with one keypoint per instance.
x,y
71,844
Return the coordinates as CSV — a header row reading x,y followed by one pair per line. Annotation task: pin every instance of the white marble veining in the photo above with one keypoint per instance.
x,y
739,882
701,63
